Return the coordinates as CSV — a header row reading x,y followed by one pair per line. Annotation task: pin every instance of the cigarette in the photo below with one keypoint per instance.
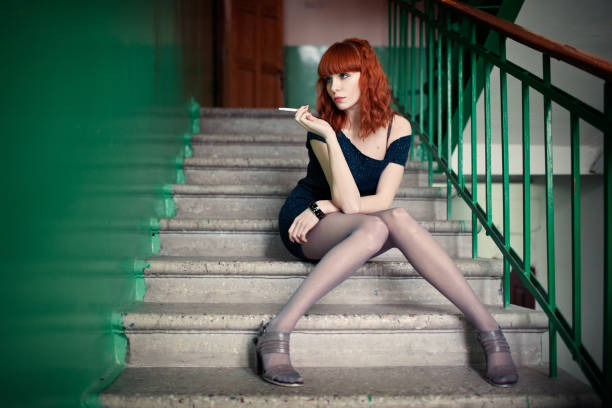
x,y
288,109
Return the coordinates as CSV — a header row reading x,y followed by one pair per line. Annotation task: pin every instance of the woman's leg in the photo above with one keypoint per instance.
x,y
342,242
434,264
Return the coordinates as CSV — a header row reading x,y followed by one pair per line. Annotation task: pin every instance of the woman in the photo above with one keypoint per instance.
x,y
340,215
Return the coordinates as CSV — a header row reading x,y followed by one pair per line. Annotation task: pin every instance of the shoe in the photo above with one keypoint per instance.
x,y
494,341
275,342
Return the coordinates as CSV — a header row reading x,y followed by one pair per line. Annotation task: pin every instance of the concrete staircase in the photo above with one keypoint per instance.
x,y
384,337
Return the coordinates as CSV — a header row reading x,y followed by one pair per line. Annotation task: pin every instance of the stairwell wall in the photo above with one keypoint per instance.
x,y
93,116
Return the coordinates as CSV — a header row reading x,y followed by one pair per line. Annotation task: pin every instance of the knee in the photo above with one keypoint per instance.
x,y
373,233
399,218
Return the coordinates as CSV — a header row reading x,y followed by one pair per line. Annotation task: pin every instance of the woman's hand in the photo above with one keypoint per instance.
x,y
312,124
301,225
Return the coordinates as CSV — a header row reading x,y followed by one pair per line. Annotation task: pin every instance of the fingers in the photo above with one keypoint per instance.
x,y
300,115
293,237
297,232
300,227
301,111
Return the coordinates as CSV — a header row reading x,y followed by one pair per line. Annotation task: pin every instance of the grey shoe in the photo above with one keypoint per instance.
x,y
494,341
275,342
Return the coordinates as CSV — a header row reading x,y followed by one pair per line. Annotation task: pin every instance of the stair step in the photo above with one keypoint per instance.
x,y
259,238
272,124
259,150
220,335
265,170
440,387
295,139
292,138
251,145
252,113
193,279
284,189
268,163
236,175
197,265
271,225
247,201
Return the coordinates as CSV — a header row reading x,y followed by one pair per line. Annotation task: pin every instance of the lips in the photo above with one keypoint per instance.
x,y
339,98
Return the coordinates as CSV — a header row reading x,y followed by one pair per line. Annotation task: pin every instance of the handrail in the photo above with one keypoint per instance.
x,y
429,88
594,64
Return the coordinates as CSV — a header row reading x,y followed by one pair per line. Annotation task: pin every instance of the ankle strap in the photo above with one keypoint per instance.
x,y
493,341
274,342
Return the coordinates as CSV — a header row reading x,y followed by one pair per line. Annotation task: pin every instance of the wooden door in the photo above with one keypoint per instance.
x,y
251,53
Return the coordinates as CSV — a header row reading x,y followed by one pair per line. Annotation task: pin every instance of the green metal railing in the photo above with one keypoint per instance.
x,y
431,83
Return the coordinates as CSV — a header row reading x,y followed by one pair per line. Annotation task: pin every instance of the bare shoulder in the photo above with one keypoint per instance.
x,y
401,127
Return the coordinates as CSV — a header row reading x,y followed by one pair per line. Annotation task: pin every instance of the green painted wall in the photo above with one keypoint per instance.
x,y
92,118
301,62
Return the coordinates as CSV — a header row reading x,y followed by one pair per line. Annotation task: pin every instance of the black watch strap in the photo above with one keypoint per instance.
x,y
316,210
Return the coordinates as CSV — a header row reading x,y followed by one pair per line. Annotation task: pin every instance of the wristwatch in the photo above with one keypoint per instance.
x,y
316,210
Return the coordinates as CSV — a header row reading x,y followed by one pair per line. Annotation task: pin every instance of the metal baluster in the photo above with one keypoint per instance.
x,y
550,215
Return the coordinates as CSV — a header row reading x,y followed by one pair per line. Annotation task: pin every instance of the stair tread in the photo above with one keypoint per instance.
x,y
271,162
298,137
271,225
248,316
284,190
193,266
239,138
436,386
253,113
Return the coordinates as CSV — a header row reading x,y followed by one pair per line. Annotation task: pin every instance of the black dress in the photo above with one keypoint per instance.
x,y
365,170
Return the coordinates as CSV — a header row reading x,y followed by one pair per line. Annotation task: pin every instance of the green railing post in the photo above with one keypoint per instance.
x,y
474,97
487,118
505,171
550,214
526,183
576,255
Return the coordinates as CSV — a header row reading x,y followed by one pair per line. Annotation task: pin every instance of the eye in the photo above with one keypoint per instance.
x,y
344,75
328,79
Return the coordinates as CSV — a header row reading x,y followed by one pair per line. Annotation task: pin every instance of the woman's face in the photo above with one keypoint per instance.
x,y
343,88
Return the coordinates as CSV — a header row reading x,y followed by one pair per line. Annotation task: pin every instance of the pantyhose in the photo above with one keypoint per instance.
x,y
343,242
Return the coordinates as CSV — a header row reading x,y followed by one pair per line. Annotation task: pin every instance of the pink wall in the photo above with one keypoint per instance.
x,y
323,22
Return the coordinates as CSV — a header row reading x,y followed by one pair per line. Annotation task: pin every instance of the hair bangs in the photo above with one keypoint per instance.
x,y
340,57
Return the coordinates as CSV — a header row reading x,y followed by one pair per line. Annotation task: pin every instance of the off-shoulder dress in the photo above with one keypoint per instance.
x,y
365,170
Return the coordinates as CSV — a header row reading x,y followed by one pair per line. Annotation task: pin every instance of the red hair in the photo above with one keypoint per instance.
x,y
354,54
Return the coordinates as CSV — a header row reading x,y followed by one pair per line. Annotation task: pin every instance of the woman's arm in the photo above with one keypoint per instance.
x,y
389,181
344,192
388,184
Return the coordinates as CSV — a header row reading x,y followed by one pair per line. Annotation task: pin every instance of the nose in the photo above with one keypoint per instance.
x,y
335,83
